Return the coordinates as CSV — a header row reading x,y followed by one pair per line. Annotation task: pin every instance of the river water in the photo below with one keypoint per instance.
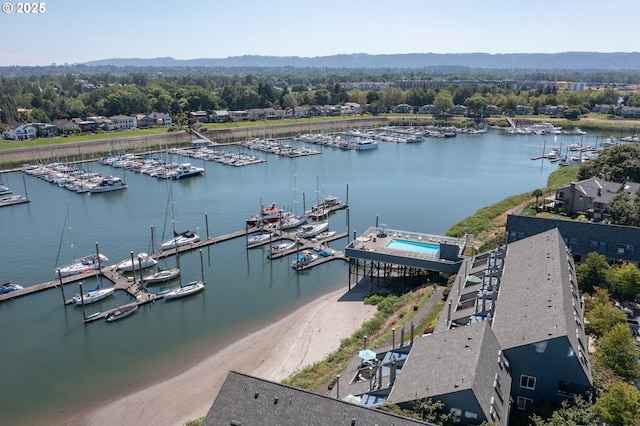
x,y
54,364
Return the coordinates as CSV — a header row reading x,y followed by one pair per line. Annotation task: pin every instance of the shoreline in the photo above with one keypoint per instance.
x,y
303,337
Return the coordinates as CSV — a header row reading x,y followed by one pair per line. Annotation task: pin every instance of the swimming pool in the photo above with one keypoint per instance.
x,y
415,246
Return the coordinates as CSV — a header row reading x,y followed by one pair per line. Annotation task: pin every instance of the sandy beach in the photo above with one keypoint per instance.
x,y
275,352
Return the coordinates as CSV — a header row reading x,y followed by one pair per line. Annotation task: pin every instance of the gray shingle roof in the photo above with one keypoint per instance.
x,y
244,400
456,360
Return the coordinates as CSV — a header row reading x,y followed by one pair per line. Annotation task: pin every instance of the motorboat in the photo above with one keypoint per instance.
x,y
289,220
269,214
185,290
311,230
142,261
578,131
323,251
161,276
324,235
303,259
260,238
365,144
120,313
180,239
185,170
94,295
107,184
281,247
330,201
10,200
609,142
4,190
8,287
83,265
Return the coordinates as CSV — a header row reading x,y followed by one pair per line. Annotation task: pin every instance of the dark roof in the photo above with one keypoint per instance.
x,y
615,242
455,360
539,298
244,400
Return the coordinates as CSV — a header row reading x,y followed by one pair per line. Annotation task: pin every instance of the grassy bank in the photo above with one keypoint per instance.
x,y
487,224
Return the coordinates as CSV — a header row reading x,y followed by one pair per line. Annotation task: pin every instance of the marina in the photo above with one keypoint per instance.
x,y
415,187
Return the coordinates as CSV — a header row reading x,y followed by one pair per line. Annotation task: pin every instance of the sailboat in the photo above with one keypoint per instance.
x,y
82,265
95,294
161,276
289,219
179,239
188,288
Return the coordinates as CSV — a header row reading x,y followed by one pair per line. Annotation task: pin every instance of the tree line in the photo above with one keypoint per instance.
x,y
52,97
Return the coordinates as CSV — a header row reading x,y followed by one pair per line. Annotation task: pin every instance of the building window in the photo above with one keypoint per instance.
x,y
602,246
527,382
524,403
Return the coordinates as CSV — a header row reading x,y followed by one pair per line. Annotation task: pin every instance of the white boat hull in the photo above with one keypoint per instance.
x,y
185,290
161,276
93,296
142,261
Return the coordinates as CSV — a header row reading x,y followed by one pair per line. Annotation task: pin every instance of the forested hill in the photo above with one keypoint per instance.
x,y
618,61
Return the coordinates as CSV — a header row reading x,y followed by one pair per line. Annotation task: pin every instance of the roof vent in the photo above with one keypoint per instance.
x,y
275,400
256,395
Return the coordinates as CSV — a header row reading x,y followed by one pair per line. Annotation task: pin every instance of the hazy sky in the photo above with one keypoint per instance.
x,y
83,30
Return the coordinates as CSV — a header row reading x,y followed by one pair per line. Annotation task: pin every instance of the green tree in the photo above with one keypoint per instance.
x,y
616,350
537,193
392,96
601,316
443,102
620,405
626,280
593,272
578,413
477,103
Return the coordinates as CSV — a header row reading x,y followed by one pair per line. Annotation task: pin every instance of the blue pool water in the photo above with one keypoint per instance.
x,y
415,246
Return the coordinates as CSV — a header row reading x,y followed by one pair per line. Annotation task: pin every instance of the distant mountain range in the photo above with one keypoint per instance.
x,y
618,61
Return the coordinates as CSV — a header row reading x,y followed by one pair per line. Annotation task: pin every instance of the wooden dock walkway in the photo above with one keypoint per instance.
x,y
142,296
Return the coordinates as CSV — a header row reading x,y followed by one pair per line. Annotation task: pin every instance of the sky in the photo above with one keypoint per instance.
x,y
77,31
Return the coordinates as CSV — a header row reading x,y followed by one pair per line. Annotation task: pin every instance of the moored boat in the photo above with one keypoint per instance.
x,y
94,295
365,144
142,261
269,214
259,238
303,259
8,287
324,235
120,313
185,290
161,276
281,247
311,230
83,265
185,170
180,239
107,184
289,220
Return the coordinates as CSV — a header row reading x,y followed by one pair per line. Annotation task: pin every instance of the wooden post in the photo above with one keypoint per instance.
x,y
61,287
153,239
99,261
337,386
133,268
201,267
84,315
206,222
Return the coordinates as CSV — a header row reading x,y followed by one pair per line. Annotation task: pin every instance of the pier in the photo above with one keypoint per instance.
x,y
141,294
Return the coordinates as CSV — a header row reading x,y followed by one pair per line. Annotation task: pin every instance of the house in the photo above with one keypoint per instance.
x,y
539,322
45,130
459,110
492,110
20,132
615,242
221,116
630,112
100,122
301,112
124,122
591,196
257,114
523,110
155,119
602,108
351,108
426,109
247,400
199,116
551,109
236,116
66,126
403,109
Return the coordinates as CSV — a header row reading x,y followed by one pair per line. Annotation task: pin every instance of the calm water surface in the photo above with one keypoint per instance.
x,y
53,363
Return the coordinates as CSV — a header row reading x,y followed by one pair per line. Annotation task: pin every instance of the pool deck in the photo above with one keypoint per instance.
x,y
372,246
